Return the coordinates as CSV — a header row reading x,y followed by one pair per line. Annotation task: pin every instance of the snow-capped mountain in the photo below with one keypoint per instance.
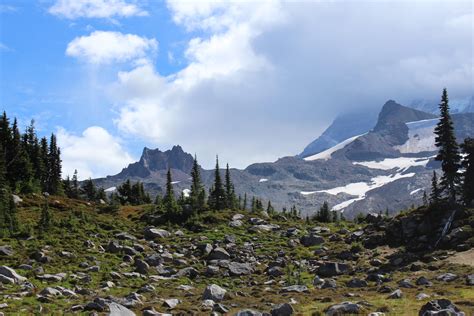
x,y
387,167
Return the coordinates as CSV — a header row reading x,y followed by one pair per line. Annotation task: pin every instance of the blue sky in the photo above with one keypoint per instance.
x,y
250,81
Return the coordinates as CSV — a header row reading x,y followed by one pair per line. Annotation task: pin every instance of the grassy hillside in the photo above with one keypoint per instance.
x,y
77,244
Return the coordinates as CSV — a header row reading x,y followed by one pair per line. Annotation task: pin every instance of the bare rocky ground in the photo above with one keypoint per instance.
x,y
236,263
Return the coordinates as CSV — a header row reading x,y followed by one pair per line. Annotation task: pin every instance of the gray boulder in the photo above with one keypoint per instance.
x,y
116,309
330,269
282,310
343,308
311,240
238,269
153,233
11,274
218,253
294,289
248,312
440,307
214,292
6,251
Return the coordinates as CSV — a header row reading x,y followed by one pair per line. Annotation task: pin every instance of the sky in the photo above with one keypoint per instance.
x,y
251,81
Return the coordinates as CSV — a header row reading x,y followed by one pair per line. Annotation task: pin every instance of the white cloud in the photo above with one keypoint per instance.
x,y
94,154
267,76
73,9
106,47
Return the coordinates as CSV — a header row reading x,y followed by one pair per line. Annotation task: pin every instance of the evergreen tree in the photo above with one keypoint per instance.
x,y
270,209
435,195
425,198
44,178
170,207
468,176
54,167
253,206
335,217
45,218
217,197
324,213
89,190
74,186
8,219
229,190
244,206
197,194
448,150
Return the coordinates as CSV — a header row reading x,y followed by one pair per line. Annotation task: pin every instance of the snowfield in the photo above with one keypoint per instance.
x,y
416,191
421,137
111,189
401,163
359,189
325,155
263,180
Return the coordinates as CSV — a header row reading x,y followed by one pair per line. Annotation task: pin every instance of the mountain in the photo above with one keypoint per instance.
x,y
386,168
343,127
463,105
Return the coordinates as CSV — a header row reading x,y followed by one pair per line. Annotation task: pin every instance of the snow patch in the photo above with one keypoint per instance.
x,y
325,155
175,182
360,189
263,180
416,191
421,137
111,189
401,163
186,192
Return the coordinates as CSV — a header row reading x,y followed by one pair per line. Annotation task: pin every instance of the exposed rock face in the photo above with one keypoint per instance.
x,y
440,307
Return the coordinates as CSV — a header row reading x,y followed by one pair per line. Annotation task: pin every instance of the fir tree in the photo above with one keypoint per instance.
x,y
335,217
197,194
45,218
468,176
324,213
270,209
217,197
448,150
54,167
89,190
229,190
435,195
244,206
74,186
425,198
170,206
8,219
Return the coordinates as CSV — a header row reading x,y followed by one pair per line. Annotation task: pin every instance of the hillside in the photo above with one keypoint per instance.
x,y
94,261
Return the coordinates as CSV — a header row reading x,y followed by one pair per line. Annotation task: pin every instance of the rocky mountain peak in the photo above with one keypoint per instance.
x,y
153,160
393,113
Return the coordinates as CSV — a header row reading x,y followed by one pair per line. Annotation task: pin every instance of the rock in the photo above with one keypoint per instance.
x,y
214,292
189,272
440,307
263,228
237,217
238,269
421,296
235,223
423,281
229,239
470,279
6,251
353,283
218,253
282,310
11,274
119,310
220,308
275,271
113,247
343,308
330,269
311,240
376,262
58,277
396,294
171,303
49,291
248,312
141,266
447,277
16,199
329,284
153,233
125,236
294,289
405,283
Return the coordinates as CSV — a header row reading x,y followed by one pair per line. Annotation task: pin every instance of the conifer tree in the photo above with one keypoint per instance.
x,y
54,164
270,209
45,218
217,197
45,161
244,206
324,213
89,190
197,195
468,176
8,219
74,186
435,195
170,206
448,150
229,190
425,198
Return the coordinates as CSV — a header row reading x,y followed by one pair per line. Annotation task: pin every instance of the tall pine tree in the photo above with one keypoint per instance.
x,y
217,196
435,194
197,195
448,150
229,190
170,206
